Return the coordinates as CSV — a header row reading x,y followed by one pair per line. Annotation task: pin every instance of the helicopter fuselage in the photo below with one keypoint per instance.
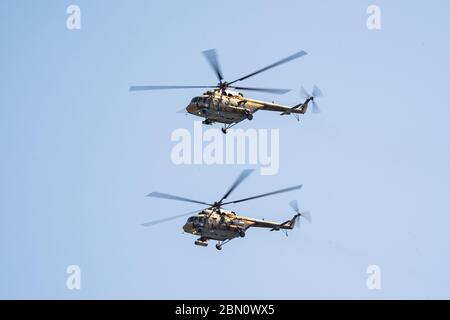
x,y
213,224
230,107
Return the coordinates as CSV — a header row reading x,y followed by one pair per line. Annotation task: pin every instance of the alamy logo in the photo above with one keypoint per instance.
x,y
374,20
73,22
73,281
238,146
374,280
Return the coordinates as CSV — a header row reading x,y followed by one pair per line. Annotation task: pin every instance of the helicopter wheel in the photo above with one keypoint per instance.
x,y
218,247
249,116
242,234
224,131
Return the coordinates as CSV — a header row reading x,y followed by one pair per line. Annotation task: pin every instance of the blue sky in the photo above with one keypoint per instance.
x,y
80,152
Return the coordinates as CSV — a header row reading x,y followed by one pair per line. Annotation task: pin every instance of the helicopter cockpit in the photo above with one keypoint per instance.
x,y
202,101
199,105
194,223
196,220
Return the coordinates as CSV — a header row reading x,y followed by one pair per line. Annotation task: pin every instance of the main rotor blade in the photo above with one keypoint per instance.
x,y
268,90
244,174
213,60
172,197
145,88
273,65
265,194
151,223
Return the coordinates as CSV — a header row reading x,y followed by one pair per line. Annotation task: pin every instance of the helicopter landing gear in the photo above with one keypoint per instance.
x,y
201,242
249,116
241,233
207,122
220,244
226,127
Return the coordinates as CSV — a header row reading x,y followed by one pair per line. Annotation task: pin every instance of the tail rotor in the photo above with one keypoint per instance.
x,y
306,214
316,93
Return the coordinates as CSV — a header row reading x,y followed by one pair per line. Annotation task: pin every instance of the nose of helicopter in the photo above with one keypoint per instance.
x,y
188,227
191,108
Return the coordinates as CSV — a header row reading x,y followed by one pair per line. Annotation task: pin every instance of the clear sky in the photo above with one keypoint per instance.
x,y
79,152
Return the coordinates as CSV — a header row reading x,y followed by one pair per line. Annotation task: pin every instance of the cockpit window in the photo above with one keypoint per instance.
x,y
203,100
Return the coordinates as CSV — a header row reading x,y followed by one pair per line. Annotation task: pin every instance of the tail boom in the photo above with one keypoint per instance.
x,y
299,108
287,225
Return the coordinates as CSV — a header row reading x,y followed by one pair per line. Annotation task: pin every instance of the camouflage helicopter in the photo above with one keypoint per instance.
x,y
222,105
216,223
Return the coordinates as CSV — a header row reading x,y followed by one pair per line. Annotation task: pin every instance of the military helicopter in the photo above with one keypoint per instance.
x,y
216,223
222,105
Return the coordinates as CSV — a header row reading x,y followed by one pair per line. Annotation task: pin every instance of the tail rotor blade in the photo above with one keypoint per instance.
x,y
317,92
294,205
304,94
307,216
315,107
